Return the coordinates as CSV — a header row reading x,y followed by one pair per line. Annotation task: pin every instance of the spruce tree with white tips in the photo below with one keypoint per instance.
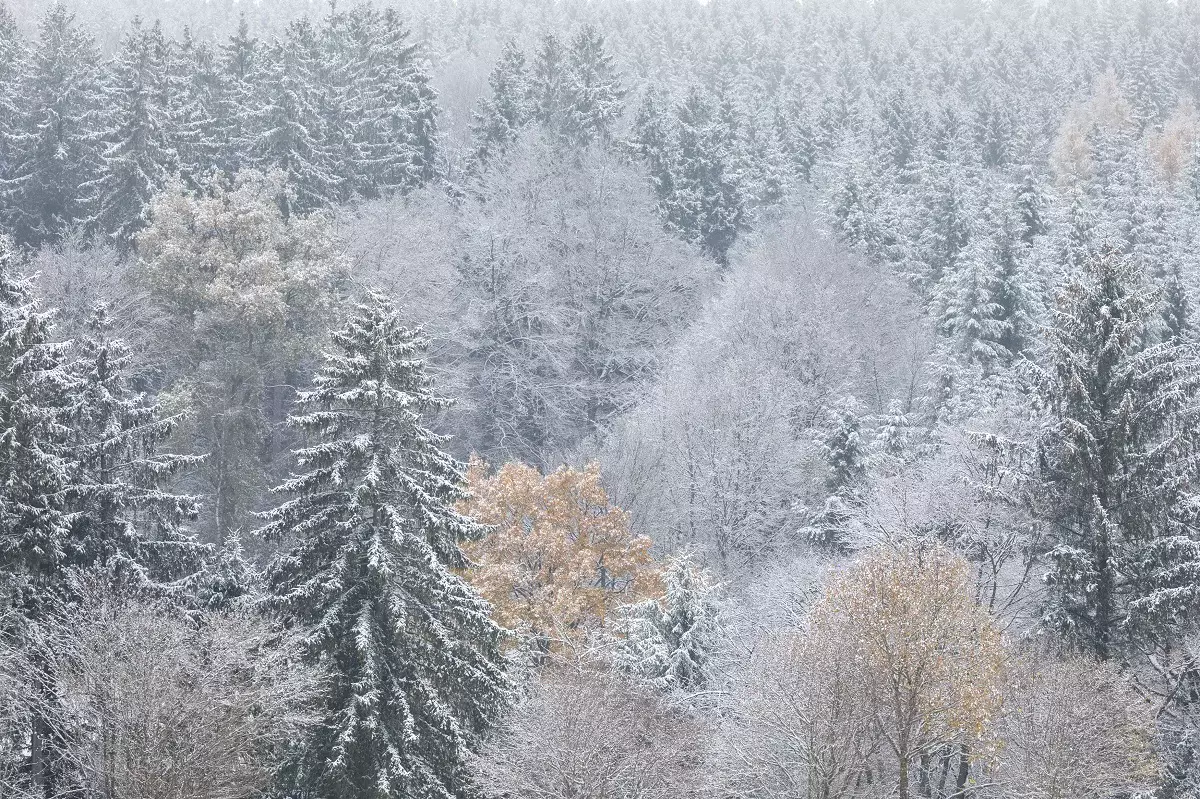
x,y
55,146
123,520
137,157
284,123
1117,457
670,641
371,545
238,64
594,95
501,116
34,475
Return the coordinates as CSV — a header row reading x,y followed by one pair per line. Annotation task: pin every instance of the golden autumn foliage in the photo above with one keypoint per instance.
x,y
1105,109
1172,149
559,557
927,661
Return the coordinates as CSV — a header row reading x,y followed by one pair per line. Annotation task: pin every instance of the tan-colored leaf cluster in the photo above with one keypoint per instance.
x,y
928,661
559,557
899,685
1173,148
1105,109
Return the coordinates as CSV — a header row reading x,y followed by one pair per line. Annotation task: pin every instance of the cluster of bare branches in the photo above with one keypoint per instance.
x,y
140,701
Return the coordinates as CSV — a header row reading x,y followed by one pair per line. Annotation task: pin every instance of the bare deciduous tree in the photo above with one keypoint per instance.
x,y
799,726
1074,728
582,732
151,704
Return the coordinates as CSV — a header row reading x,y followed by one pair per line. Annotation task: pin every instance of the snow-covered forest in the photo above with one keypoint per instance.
x,y
600,399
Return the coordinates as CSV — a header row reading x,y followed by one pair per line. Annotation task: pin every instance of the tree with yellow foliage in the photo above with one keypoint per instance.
x,y
927,662
559,557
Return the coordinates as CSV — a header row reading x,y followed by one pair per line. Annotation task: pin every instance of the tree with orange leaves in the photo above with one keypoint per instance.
x,y
559,557
928,661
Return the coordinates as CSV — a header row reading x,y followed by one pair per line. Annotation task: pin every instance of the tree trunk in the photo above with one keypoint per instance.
x,y
964,771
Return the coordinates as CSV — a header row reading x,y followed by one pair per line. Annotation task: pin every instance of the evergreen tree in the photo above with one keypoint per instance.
x,y
285,123
984,302
195,103
1031,206
501,116
13,57
35,546
549,84
56,141
413,87
137,157
34,474
670,641
239,66
1116,458
944,223
593,93
123,521
398,117
795,133
372,542
654,140
710,200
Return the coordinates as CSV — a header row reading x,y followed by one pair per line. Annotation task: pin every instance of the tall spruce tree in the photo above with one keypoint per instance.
x,y
593,89
502,115
55,142
137,155
35,523
710,201
238,68
1117,458
123,520
194,106
34,474
285,122
549,83
670,641
371,544
13,56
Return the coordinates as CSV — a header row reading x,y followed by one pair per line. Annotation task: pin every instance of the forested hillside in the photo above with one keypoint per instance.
x,y
506,399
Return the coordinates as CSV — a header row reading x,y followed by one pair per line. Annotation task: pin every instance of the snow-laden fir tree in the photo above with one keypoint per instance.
x,y
502,115
944,221
1117,459
548,83
124,520
284,131
653,140
370,547
393,107
13,55
195,102
34,475
594,95
238,65
845,448
670,641
55,141
410,82
984,302
35,523
137,155
710,202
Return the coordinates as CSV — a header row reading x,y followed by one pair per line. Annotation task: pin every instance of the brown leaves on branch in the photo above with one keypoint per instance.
x,y
898,684
559,556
